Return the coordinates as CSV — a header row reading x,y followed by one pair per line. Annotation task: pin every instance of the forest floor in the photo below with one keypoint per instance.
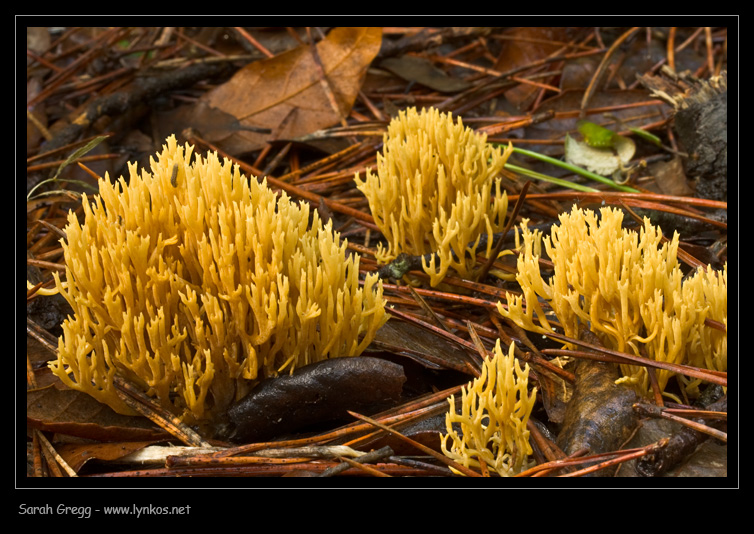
x,y
308,109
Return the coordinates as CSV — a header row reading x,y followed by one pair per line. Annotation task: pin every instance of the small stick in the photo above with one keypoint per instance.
x,y
441,457
371,456
144,405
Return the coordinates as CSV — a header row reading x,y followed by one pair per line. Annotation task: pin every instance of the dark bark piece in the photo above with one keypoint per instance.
x,y
701,121
318,393
702,126
142,90
139,93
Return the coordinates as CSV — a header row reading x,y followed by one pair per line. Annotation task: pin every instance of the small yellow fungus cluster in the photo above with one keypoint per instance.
x,y
495,410
192,281
436,190
628,289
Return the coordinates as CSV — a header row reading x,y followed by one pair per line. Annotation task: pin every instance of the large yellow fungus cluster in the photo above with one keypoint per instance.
x,y
628,288
193,281
437,189
495,409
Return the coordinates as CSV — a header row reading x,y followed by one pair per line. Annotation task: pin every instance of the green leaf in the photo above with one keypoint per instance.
x,y
595,135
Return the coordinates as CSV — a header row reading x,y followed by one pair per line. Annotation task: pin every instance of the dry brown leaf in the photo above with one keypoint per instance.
x,y
670,178
77,414
288,94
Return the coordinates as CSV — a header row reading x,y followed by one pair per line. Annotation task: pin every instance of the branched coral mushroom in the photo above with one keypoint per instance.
x,y
495,409
192,281
437,189
628,288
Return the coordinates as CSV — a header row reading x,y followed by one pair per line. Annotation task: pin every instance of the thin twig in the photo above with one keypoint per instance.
x,y
715,377
371,456
47,446
438,456
602,68
146,406
657,411
256,44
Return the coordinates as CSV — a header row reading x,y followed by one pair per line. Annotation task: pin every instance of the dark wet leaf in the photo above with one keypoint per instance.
x,y
421,70
314,394
212,124
682,444
420,345
425,431
600,416
709,459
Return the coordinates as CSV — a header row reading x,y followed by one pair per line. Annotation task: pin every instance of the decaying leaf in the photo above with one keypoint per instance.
x,y
681,444
288,93
77,414
316,393
599,416
420,345
603,161
211,123
76,454
670,177
421,70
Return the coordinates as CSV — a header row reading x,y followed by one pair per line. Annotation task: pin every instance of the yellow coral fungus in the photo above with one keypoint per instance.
x,y
628,288
437,189
495,410
192,281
